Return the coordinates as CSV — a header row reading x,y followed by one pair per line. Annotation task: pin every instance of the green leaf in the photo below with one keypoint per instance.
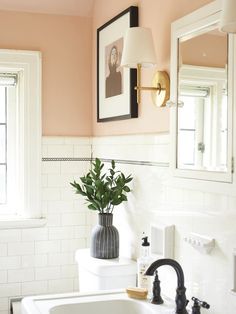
x,y
128,179
126,189
91,206
124,198
112,172
115,202
83,179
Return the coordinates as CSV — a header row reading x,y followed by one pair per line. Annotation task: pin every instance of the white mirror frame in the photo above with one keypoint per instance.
x,y
191,23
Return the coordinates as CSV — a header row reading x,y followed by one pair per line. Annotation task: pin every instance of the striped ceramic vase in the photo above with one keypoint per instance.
x,y
105,238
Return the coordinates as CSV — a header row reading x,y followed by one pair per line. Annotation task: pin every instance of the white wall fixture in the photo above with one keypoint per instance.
x,y
202,243
162,241
228,16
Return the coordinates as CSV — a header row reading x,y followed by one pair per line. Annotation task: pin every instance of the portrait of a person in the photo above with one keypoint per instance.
x,y
114,78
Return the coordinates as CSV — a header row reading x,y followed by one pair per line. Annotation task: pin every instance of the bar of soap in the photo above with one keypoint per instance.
x,y
137,293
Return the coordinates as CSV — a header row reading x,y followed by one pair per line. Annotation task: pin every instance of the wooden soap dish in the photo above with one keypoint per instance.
x,y
137,293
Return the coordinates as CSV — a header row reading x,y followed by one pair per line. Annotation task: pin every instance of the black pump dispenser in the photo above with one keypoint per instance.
x,y
143,263
145,241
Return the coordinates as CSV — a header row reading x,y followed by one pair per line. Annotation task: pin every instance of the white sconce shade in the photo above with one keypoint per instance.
x,y
138,48
228,16
139,52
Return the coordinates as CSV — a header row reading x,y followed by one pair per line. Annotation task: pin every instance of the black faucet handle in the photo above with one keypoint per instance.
x,y
156,290
197,304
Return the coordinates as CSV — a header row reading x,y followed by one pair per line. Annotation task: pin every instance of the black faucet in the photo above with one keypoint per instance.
x,y
180,299
156,290
197,304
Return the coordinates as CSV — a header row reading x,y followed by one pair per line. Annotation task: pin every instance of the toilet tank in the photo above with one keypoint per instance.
x,y
104,274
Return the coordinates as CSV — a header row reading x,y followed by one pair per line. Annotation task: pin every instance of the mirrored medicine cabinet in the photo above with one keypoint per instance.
x,y
202,97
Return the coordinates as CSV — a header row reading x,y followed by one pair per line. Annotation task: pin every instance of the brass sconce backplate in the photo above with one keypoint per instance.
x,y
161,81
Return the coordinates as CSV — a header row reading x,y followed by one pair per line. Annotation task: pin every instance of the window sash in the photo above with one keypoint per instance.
x,y
8,201
3,146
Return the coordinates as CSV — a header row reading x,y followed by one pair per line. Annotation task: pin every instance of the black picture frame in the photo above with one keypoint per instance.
x,y
116,96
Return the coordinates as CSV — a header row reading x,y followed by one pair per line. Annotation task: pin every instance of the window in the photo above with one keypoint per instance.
x,y
3,130
7,135
192,117
202,119
20,133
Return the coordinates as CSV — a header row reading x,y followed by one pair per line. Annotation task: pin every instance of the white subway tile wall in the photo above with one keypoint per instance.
x,y
41,260
3,304
155,200
3,276
3,249
21,275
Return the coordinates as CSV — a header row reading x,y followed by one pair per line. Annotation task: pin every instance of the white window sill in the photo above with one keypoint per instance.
x,y
14,222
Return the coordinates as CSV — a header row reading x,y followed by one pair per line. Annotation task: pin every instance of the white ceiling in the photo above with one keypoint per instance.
x,y
64,7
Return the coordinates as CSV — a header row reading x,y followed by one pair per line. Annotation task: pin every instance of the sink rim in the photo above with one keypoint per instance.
x,y
42,304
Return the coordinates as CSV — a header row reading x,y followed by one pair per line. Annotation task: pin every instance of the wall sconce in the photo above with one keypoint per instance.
x,y
139,52
228,16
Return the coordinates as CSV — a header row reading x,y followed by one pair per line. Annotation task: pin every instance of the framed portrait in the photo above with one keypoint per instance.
x,y
116,96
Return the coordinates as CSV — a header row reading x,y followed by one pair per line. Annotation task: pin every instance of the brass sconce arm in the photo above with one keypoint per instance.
x,y
160,87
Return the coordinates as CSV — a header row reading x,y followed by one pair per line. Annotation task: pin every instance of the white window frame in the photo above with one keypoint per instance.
x,y
27,65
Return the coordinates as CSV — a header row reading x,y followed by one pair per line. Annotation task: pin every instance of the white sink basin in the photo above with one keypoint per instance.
x,y
103,307
109,302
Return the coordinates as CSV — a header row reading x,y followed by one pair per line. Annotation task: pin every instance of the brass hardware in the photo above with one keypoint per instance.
x,y
160,87
162,81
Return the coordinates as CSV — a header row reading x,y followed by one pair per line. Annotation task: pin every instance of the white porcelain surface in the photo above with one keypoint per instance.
x,y
104,274
115,302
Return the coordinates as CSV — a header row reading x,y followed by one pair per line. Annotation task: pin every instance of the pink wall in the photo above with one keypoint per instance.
x,y
65,43
205,50
68,46
156,14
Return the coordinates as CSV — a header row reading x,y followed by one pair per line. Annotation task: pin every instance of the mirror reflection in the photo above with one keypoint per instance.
x,y
202,101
